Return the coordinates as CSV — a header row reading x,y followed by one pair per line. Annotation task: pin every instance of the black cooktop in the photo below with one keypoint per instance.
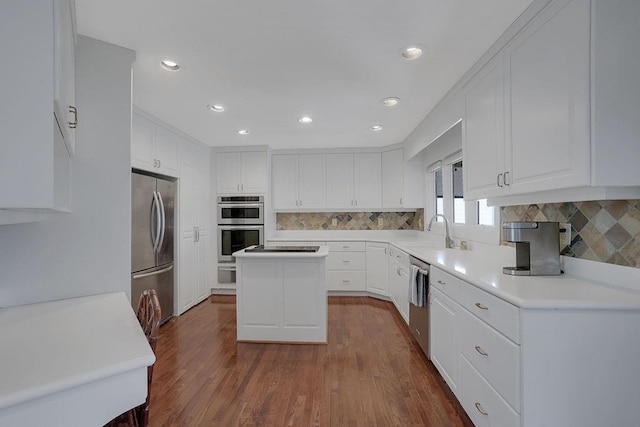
x,y
262,248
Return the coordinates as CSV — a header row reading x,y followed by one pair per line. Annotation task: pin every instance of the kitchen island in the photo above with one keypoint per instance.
x,y
281,296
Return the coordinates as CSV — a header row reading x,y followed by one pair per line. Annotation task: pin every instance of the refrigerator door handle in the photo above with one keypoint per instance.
x,y
155,234
153,273
163,218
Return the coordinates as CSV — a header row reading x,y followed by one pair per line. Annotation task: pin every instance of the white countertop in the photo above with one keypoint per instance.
x,y
56,346
323,252
483,268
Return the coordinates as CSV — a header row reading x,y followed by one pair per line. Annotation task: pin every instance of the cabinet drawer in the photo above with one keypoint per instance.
x,y
446,283
346,260
398,255
294,243
346,246
498,313
346,281
493,355
481,402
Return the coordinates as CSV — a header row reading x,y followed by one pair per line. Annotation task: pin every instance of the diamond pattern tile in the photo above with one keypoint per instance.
x,y
605,230
350,220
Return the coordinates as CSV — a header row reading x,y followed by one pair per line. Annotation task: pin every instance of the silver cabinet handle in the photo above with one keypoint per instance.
x,y
418,332
481,351
300,203
356,202
441,282
159,163
498,180
385,251
242,187
482,307
345,281
345,247
74,123
163,219
155,236
345,261
505,178
479,408
401,200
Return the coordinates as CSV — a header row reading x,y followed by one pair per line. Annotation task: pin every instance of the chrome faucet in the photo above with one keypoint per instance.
x,y
448,241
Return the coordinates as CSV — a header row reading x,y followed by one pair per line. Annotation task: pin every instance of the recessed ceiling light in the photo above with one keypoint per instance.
x,y
169,65
390,101
215,107
411,52
376,128
305,119
243,132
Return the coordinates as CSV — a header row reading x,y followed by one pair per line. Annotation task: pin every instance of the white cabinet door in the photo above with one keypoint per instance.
x,y
340,181
392,178
442,333
367,180
548,101
311,179
284,181
64,81
483,135
166,151
228,172
377,268
142,135
254,172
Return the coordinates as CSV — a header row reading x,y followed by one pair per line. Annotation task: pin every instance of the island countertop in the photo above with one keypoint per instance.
x,y
323,251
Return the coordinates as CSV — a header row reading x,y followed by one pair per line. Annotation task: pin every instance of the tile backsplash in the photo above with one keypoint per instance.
x,y
350,220
604,230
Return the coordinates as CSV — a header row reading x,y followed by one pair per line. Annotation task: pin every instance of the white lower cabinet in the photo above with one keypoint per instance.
x,y
399,281
377,268
346,265
512,366
444,354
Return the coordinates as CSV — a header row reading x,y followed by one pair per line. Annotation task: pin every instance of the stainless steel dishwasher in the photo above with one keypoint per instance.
x,y
419,315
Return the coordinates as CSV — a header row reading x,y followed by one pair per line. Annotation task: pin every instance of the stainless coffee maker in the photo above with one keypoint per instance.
x,y
537,248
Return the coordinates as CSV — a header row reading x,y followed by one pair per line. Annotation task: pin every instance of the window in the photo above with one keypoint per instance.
x,y
439,194
459,206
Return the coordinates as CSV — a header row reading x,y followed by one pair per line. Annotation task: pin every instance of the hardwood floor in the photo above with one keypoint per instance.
x,y
370,373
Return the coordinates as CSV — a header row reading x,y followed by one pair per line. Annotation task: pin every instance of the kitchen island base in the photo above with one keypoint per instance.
x,y
281,297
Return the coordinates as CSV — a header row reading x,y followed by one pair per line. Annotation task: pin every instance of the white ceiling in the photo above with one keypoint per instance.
x,y
270,62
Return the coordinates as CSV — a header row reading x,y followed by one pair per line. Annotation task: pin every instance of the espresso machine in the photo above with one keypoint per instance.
x,y
537,248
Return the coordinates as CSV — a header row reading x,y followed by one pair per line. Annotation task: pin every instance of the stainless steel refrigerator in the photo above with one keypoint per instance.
x,y
152,235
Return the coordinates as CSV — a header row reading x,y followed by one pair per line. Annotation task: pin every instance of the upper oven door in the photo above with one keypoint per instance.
x,y
240,213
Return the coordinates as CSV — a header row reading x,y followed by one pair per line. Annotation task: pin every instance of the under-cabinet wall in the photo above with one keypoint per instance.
x,y
87,251
350,220
606,230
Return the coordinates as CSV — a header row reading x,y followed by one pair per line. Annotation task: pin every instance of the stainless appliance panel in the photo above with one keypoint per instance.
x,y
419,316
144,228
235,238
158,278
227,273
166,191
241,213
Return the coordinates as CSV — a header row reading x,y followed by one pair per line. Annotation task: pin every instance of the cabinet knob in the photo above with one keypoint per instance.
x,y
482,307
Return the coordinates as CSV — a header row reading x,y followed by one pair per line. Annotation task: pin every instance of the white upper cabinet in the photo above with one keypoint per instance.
x,y
367,180
38,86
547,120
298,181
241,172
393,179
354,181
483,134
550,116
154,148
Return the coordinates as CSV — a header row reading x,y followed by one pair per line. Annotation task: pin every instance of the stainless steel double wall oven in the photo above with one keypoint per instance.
x,y
240,224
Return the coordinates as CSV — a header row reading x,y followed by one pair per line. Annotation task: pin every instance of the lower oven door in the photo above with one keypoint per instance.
x,y
233,238
227,273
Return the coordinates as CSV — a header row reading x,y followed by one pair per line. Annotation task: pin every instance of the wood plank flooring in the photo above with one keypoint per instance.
x,y
370,373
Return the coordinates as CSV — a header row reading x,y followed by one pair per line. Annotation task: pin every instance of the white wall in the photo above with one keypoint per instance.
x,y
89,250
